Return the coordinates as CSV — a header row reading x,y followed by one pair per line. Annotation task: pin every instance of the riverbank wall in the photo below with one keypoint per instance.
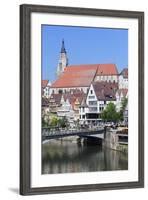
x,y
112,141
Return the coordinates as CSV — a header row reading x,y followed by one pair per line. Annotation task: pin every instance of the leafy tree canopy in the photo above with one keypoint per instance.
x,y
58,122
63,122
54,122
110,113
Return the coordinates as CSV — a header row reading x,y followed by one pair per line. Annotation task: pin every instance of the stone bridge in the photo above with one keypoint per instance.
x,y
48,134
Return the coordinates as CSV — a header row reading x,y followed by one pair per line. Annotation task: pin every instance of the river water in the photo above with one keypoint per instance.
x,y
63,156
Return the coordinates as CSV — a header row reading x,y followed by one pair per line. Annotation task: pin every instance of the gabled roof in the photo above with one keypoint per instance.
x,y
72,97
83,103
44,83
105,90
45,102
123,91
83,75
124,73
56,98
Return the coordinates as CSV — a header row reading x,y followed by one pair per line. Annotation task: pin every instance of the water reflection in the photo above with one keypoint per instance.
x,y
60,156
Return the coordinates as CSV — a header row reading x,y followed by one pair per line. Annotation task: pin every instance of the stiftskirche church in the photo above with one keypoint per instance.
x,y
70,77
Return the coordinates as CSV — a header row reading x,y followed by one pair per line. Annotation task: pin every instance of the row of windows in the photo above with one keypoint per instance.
x,y
102,103
92,103
93,109
65,90
106,78
91,97
101,108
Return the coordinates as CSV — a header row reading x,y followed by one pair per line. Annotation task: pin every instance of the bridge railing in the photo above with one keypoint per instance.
x,y
46,131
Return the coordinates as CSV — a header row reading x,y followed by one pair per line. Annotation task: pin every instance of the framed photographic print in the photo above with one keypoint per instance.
x,y
81,99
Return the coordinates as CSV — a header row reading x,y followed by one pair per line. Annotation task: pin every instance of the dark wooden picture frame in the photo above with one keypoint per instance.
x,y
25,98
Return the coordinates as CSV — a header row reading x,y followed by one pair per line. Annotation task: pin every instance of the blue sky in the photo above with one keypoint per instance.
x,y
83,46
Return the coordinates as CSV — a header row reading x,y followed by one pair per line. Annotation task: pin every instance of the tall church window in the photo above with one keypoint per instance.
x,y
60,91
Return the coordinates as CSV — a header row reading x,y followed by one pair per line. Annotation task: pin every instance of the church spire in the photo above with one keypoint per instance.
x,y
63,60
63,47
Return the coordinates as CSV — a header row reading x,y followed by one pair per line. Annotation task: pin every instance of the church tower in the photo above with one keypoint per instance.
x,y
63,60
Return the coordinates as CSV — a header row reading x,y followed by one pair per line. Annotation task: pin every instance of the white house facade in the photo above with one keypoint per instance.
x,y
123,79
46,92
96,101
66,110
120,95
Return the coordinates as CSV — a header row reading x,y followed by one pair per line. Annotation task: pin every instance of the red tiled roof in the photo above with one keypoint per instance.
x,y
76,76
72,97
107,69
83,75
44,83
124,73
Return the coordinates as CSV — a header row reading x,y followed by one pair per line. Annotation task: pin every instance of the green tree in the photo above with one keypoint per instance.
x,y
63,122
44,122
54,122
124,103
110,113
